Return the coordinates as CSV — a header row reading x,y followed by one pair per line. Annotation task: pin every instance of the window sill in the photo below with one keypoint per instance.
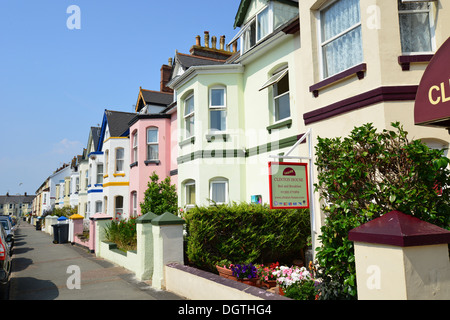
x,y
134,164
405,61
119,174
217,136
187,141
147,162
281,124
357,70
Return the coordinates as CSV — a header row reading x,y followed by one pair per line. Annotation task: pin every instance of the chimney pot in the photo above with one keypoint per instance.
x,y
213,42
197,41
170,62
222,42
206,39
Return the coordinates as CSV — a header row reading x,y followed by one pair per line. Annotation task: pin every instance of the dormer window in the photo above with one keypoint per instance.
x,y
257,29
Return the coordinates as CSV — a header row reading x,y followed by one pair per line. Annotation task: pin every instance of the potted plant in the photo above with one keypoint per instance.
x,y
265,274
245,273
224,268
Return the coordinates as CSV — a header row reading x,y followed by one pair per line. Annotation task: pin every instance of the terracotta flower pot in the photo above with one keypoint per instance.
x,y
269,283
226,273
250,282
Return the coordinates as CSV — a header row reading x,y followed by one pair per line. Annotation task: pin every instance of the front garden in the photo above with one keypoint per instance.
x,y
360,178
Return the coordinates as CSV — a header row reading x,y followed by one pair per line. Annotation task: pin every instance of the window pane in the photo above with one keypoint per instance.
x,y
189,105
152,135
342,53
339,17
282,86
152,152
282,108
217,97
190,194
218,120
119,153
249,37
415,32
189,126
263,23
218,192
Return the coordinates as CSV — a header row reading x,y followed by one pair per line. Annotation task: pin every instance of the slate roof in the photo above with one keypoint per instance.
x,y
118,122
157,97
187,60
17,199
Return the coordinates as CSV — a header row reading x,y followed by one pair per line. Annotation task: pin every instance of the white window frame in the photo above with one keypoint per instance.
x,y
134,203
187,117
152,143
218,181
222,108
187,185
98,205
431,25
120,161
99,179
324,43
243,32
116,208
135,146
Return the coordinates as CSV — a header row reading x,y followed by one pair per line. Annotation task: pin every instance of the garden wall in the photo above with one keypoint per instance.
x,y
195,284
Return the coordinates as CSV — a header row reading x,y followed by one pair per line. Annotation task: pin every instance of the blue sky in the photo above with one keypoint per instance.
x,y
55,82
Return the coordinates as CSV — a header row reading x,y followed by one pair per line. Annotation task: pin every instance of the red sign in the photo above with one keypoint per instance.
x,y
432,106
288,185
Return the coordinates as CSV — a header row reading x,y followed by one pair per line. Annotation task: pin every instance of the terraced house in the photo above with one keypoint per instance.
x,y
232,114
361,61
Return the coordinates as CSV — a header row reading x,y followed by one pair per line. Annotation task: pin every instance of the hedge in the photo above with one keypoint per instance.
x,y
245,233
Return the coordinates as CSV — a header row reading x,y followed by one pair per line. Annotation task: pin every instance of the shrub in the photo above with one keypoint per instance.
x,y
365,175
244,233
160,196
123,233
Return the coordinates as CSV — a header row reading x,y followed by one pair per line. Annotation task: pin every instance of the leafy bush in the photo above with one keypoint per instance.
x,y
123,233
364,176
245,233
160,196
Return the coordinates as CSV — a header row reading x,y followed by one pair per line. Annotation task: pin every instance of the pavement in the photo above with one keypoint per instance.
x,y
43,270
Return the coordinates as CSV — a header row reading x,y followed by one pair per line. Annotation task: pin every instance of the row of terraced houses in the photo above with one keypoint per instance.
x,y
227,108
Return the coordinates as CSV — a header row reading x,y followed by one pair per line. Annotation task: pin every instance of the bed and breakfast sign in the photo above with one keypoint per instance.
x,y
288,185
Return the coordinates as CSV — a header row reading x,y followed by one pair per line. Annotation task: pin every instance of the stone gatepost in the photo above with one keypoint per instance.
x,y
75,226
399,257
96,231
167,245
145,246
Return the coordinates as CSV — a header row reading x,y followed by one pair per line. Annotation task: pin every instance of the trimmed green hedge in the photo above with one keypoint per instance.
x,y
245,233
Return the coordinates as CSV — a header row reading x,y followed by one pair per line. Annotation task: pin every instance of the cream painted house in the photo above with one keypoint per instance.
x,y
361,61
114,172
233,114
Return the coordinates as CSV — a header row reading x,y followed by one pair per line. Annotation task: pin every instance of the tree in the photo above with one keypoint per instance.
x,y
364,176
160,196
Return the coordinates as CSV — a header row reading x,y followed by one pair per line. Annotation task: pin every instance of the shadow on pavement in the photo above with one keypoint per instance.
x,y
35,289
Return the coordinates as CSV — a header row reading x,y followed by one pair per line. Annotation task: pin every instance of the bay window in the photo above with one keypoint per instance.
x,y
340,36
135,147
190,193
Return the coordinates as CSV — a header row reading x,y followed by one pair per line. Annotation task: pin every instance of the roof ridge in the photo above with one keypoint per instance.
x,y
157,91
200,57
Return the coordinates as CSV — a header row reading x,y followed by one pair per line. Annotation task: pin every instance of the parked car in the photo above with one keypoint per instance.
x,y
5,255
9,228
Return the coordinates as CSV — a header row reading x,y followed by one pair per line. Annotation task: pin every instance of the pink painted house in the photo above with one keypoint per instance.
x,y
153,141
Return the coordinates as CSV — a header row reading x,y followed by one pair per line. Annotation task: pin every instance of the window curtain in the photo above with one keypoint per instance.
x,y
415,31
345,50
263,24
